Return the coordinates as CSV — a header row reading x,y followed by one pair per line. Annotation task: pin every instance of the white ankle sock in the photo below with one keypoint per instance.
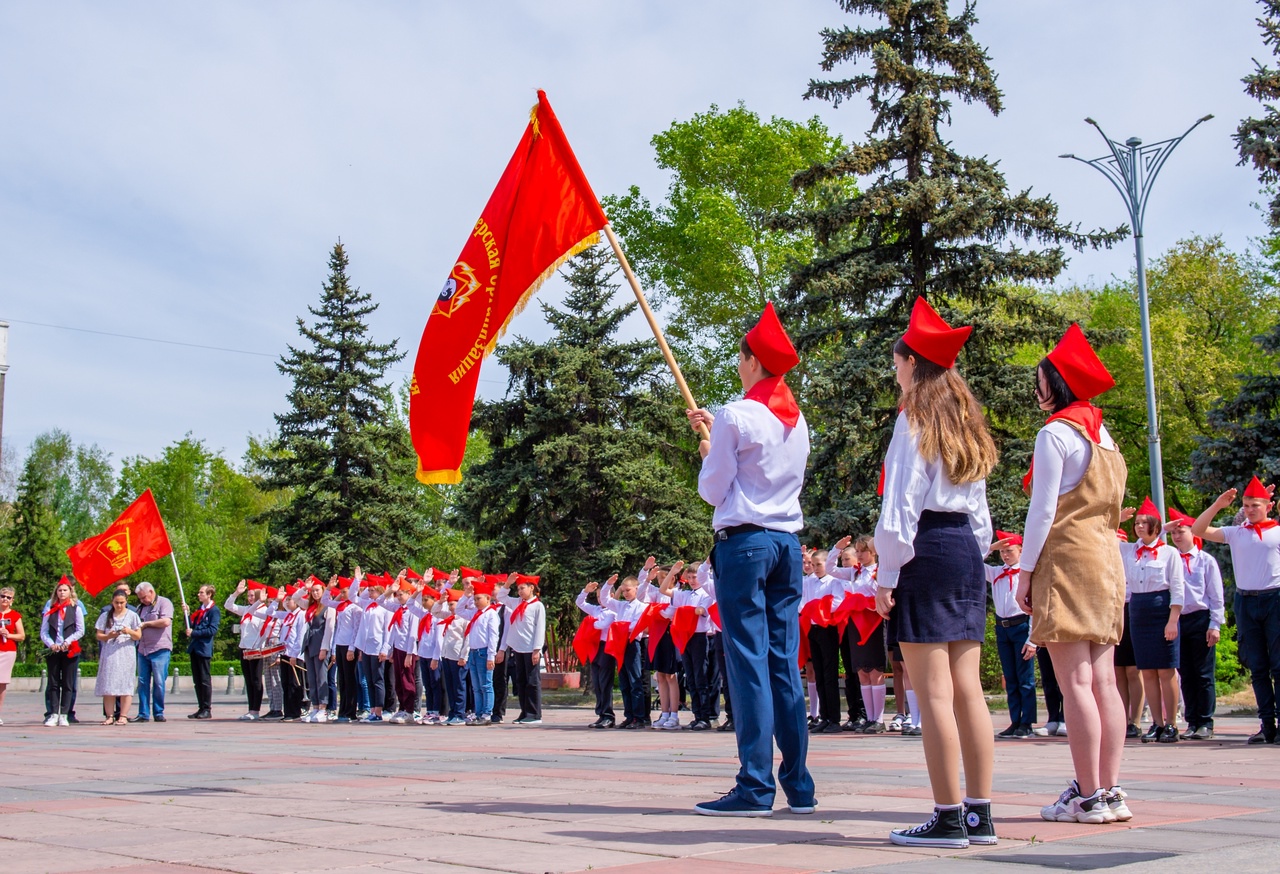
x,y
813,700
868,702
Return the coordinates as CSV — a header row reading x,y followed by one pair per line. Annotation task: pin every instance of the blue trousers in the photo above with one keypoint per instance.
x,y
153,671
1258,627
481,681
758,588
1019,673
455,687
362,683
432,685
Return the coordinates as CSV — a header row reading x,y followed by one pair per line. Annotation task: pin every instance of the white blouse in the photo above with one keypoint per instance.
x,y
1158,574
911,486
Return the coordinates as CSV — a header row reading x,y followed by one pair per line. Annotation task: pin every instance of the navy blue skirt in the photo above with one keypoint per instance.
x,y
942,592
1122,655
1149,614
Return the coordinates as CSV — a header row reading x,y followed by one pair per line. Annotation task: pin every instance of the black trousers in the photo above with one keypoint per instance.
x,y
527,678
390,701
60,694
1049,683
292,684
348,683
852,685
1196,668
500,673
603,667
824,650
251,670
202,679
695,677
722,667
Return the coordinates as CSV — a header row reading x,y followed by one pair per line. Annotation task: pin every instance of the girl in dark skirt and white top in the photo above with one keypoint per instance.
x,y
1154,579
933,531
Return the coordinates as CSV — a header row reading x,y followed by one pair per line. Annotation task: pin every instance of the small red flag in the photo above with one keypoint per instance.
x,y
134,540
542,213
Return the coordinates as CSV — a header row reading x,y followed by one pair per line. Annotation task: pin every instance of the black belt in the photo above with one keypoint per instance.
x,y
1256,593
1010,623
725,533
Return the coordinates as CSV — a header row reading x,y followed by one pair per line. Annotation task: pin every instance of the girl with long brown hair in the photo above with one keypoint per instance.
x,y
933,532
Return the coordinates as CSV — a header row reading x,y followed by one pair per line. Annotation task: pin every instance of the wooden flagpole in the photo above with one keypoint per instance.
x,y
653,325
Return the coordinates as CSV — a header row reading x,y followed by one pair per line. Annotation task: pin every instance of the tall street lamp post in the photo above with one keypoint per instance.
x,y
1132,167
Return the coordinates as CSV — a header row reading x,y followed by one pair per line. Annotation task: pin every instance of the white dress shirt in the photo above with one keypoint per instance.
x,y
528,634
1256,560
754,470
1202,586
911,486
1061,458
1004,590
485,632
1159,574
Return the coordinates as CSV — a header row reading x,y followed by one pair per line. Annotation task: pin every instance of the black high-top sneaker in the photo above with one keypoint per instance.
x,y
978,824
944,829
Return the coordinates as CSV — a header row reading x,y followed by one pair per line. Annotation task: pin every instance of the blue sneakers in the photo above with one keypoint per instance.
x,y
731,804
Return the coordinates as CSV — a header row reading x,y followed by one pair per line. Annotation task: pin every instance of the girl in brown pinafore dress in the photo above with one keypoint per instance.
x,y
1072,579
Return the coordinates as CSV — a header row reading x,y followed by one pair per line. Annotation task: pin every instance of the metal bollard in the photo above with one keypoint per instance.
x,y
44,679
173,687
231,680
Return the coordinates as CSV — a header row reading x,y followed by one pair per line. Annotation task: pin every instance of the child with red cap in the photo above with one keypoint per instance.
x,y
1071,577
1153,577
483,634
604,665
402,630
752,471
1013,631
453,655
372,643
1255,556
523,637
933,532
1202,616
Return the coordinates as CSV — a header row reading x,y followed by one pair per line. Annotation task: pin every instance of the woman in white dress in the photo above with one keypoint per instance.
x,y
118,630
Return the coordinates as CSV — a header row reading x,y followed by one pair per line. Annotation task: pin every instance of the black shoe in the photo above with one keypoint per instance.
x,y
1266,734
813,720
627,724
700,725
1169,735
273,714
944,829
159,718
139,718
71,718
1131,731
202,714
913,731
818,727
495,720
1153,734
193,715
727,725
597,723
1022,731
1008,732
857,726
606,723
977,822
833,728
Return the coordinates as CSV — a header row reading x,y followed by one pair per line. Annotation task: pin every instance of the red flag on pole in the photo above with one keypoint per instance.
x,y
135,539
542,213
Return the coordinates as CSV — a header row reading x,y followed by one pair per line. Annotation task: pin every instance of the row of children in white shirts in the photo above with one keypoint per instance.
x,y
408,624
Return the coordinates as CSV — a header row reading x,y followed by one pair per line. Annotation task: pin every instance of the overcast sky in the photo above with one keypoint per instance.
x,y
180,171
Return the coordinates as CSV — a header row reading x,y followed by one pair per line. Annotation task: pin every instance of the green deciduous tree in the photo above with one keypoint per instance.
x,y
591,459
931,223
81,482
32,548
342,452
707,253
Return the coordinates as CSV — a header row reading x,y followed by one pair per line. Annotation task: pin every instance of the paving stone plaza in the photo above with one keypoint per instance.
x,y
269,798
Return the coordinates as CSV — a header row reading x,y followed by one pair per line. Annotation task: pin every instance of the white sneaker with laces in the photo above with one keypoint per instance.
x,y
248,717
51,721
1115,803
673,723
1062,729
62,720
400,718
1072,807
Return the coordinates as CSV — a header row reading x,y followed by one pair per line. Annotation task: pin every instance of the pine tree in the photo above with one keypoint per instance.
x,y
932,223
591,464
342,452
33,555
1258,139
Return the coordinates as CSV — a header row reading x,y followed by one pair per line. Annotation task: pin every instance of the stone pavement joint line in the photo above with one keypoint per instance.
x,y
272,798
